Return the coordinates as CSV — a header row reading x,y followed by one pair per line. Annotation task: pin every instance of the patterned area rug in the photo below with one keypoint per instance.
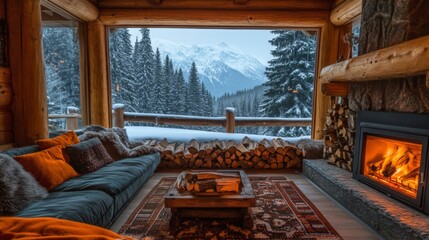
x,y
282,212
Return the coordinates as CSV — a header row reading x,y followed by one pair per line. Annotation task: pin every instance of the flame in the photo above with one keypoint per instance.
x,y
393,163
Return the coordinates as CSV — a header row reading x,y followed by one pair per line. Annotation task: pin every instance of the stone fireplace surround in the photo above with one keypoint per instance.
x,y
384,23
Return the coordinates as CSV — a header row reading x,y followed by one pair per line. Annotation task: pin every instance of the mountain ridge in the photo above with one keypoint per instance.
x,y
222,69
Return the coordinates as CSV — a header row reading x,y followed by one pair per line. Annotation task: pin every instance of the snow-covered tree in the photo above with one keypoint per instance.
x,y
206,102
61,55
143,62
157,105
168,85
194,92
121,69
180,92
290,80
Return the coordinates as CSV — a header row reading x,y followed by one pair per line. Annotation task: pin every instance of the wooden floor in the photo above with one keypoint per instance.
x,y
347,225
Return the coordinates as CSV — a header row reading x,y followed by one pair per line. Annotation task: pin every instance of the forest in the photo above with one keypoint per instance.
x,y
148,83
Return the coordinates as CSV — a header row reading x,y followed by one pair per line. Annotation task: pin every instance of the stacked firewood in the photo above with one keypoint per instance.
x,y
208,182
276,153
339,132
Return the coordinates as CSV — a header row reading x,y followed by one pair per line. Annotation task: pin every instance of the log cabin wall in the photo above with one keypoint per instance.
x,y
383,24
6,125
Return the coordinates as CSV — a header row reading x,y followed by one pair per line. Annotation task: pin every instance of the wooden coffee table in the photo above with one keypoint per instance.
x,y
212,205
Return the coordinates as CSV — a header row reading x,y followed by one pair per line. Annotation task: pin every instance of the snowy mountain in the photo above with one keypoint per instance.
x,y
221,68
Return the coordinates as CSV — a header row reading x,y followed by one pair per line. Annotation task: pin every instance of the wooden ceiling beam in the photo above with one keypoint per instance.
x,y
317,5
345,12
336,89
84,10
212,18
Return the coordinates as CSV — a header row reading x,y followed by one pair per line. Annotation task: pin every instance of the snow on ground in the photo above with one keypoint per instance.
x,y
185,135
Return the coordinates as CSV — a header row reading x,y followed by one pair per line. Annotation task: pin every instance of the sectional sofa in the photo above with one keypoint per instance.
x,y
96,198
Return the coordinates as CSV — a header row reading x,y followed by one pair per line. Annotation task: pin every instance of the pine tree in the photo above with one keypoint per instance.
x,y
61,54
194,92
290,80
121,72
143,58
168,80
206,101
180,86
158,106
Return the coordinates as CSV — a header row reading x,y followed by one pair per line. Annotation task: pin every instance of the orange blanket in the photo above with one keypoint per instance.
x,y
52,228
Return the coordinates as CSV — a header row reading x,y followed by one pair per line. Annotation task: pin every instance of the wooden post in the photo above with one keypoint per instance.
x,y
230,120
118,115
328,54
72,122
27,71
99,101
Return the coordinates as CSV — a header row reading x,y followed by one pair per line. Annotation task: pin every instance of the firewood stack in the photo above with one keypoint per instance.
x,y
273,154
208,182
339,134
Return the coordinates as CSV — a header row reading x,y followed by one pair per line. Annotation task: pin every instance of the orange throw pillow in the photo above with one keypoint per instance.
x,y
48,167
63,140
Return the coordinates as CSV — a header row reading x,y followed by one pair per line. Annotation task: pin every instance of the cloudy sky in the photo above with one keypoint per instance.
x,y
252,42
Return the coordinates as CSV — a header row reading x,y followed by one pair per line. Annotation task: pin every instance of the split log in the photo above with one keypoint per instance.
x,y
227,184
205,186
194,146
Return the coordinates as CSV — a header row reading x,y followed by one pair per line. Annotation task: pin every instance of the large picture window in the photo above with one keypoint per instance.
x,y
201,72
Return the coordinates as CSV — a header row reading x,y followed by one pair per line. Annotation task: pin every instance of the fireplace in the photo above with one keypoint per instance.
x,y
391,155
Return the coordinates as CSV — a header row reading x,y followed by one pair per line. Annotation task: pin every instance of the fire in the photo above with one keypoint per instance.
x,y
393,163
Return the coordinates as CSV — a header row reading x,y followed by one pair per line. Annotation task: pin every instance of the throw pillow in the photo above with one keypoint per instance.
x,y
48,167
88,156
63,140
17,187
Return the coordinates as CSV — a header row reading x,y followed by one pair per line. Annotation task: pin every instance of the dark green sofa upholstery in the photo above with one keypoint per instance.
x,y
95,198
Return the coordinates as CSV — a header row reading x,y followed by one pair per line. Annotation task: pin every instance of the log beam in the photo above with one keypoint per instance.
x,y
210,18
27,71
346,12
407,59
98,87
85,10
335,89
308,5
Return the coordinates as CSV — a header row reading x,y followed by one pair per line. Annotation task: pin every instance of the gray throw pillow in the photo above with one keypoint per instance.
x,y
88,156
18,188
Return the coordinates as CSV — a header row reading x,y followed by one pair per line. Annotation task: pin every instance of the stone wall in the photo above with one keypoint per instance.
x,y
385,23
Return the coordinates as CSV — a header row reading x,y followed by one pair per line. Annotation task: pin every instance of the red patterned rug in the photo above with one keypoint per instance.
x,y
282,212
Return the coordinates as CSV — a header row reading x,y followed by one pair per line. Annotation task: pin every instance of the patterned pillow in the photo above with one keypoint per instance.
x,y
17,187
88,156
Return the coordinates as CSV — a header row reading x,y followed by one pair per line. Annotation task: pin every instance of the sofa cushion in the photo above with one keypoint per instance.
x,y
17,187
48,167
88,156
21,150
93,207
115,177
63,140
